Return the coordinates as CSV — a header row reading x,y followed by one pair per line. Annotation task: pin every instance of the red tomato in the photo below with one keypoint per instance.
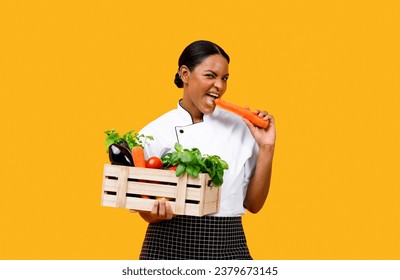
x,y
154,162
173,167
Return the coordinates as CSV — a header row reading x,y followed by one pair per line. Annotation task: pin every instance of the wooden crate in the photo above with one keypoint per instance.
x,y
124,187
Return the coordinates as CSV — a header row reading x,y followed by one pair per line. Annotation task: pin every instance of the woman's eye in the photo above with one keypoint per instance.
x,y
210,75
225,78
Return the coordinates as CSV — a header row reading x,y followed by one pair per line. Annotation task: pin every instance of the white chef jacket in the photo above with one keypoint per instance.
x,y
221,133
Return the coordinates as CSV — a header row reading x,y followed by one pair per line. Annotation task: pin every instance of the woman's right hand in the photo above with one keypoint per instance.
x,y
161,211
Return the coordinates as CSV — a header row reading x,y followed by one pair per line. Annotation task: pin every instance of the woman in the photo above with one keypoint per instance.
x,y
197,123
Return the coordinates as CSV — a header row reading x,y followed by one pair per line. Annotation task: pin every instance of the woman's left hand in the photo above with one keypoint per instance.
x,y
263,136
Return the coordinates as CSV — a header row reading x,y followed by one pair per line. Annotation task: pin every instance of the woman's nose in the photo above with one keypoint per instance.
x,y
218,84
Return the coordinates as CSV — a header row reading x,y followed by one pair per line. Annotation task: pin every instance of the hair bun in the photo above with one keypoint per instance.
x,y
178,81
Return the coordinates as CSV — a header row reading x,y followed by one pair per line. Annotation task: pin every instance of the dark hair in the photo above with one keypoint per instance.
x,y
194,54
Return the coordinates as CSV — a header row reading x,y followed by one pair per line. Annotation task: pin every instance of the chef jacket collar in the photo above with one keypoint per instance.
x,y
186,115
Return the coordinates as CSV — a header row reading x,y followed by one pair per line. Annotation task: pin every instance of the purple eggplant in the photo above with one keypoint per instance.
x,y
124,143
120,155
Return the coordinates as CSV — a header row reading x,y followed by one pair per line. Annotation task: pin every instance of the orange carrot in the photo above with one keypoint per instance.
x,y
244,113
139,161
138,156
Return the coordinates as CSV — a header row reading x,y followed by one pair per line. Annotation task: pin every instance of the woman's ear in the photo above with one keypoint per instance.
x,y
184,73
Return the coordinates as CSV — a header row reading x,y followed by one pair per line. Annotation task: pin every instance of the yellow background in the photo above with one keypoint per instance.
x,y
327,70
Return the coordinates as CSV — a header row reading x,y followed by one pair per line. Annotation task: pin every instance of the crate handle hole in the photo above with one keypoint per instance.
x,y
192,201
110,193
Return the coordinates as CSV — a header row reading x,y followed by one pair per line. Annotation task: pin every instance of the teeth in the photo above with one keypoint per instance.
x,y
213,95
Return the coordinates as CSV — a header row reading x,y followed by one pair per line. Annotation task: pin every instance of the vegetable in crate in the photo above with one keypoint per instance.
x,y
154,162
193,163
119,155
120,147
130,139
138,156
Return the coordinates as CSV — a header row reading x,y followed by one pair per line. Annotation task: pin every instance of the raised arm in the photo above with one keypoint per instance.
x,y
258,188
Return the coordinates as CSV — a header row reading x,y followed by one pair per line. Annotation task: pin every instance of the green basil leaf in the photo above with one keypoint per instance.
x,y
186,157
224,164
166,159
217,180
178,147
174,158
180,170
190,171
196,172
212,173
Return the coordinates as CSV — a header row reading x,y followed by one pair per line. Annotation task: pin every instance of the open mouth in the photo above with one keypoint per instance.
x,y
210,97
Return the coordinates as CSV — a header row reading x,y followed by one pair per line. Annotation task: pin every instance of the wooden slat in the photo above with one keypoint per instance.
x,y
193,194
142,173
153,174
217,199
111,170
210,207
203,189
104,186
147,204
152,189
181,194
191,209
109,200
139,203
122,186
109,185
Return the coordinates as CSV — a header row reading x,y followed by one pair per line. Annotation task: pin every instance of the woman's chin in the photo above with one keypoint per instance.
x,y
208,107
208,110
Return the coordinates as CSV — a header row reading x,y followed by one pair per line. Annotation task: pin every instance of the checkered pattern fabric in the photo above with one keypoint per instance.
x,y
196,238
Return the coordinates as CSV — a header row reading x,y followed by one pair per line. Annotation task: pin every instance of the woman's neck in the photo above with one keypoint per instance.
x,y
196,115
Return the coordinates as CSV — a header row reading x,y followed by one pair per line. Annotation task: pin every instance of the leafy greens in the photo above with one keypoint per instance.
x,y
193,163
131,138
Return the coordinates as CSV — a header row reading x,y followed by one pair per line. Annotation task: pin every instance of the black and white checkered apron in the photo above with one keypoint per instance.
x,y
196,238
